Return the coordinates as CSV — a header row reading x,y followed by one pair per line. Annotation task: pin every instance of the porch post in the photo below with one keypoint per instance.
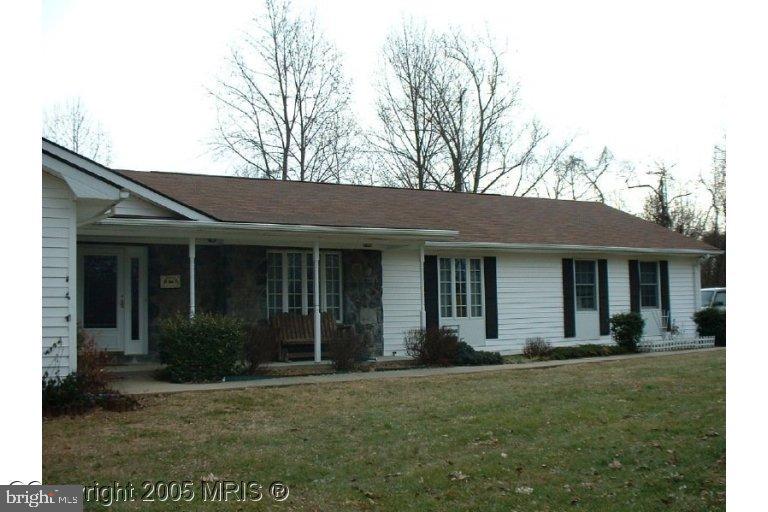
x,y
316,292
192,277
423,312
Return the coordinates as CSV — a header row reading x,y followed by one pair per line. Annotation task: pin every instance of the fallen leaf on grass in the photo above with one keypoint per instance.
x,y
457,475
615,464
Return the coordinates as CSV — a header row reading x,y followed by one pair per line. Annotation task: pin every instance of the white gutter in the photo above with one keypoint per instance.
x,y
278,228
499,246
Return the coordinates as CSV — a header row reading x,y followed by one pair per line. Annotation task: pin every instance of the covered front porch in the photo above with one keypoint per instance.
x,y
132,273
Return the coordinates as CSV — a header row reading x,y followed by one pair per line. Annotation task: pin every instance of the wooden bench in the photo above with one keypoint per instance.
x,y
298,331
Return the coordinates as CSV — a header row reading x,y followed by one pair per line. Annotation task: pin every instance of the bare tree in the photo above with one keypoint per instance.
x,y
669,204
71,125
578,179
714,184
283,107
405,137
472,106
713,268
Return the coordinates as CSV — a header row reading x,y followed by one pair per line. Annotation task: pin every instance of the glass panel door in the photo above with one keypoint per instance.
x,y
100,291
112,297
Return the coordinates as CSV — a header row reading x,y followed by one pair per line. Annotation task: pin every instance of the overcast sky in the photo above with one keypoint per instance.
x,y
644,79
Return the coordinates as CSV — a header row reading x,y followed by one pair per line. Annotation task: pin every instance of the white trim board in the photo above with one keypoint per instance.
x,y
559,248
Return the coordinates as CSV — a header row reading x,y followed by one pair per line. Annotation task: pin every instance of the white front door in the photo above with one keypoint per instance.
x,y
112,297
461,297
587,299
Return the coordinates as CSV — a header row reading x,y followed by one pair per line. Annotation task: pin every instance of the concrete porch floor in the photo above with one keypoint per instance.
x,y
143,382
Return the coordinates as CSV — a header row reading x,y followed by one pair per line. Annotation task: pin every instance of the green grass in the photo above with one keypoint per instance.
x,y
394,444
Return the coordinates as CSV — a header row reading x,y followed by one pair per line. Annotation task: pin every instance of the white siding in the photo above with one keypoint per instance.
x,y
530,300
618,285
58,283
529,295
135,207
400,296
683,292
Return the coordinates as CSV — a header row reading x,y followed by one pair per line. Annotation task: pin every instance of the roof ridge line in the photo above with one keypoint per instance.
x,y
359,185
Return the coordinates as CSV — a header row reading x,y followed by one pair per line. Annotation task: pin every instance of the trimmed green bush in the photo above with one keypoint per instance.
x,y
204,348
711,322
627,329
589,350
468,356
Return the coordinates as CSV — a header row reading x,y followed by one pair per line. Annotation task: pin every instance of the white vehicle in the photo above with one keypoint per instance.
x,y
713,298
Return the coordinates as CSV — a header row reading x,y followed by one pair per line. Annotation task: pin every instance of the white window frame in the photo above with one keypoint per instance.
x,y
594,287
305,308
640,284
468,293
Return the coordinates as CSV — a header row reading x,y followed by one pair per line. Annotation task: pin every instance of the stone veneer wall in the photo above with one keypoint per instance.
x,y
361,290
232,279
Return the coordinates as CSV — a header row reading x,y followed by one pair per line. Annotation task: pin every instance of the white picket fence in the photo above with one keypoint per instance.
x,y
657,344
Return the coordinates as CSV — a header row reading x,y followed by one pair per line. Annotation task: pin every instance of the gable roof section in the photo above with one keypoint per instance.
x,y
479,219
55,152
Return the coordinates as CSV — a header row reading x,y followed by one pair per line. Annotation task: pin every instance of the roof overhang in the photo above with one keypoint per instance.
x,y
229,230
82,184
55,152
557,248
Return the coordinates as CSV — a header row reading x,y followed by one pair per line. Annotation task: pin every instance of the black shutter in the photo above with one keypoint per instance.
x,y
431,305
569,311
664,274
602,283
491,306
634,286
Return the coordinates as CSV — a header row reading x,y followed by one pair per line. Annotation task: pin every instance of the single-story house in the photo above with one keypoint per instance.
x,y
122,249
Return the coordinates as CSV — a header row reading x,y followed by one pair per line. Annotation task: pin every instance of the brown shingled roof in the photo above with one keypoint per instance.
x,y
478,218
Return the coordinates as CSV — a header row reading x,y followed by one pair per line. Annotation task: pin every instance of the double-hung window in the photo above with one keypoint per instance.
x,y
291,287
461,287
649,284
585,280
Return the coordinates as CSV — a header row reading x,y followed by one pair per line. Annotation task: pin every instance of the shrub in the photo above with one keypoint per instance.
x,y
468,356
86,388
204,348
260,344
433,347
589,350
347,350
537,347
65,396
627,329
91,363
711,322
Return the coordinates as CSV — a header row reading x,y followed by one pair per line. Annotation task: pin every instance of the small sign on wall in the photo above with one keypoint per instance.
x,y
170,281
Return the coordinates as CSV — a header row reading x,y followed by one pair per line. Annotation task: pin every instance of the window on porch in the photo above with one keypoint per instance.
x,y
290,283
461,287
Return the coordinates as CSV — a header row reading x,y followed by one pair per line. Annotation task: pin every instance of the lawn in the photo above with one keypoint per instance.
x,y
640,435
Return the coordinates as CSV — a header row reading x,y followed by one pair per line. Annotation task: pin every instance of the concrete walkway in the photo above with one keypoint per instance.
x,y
138,383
